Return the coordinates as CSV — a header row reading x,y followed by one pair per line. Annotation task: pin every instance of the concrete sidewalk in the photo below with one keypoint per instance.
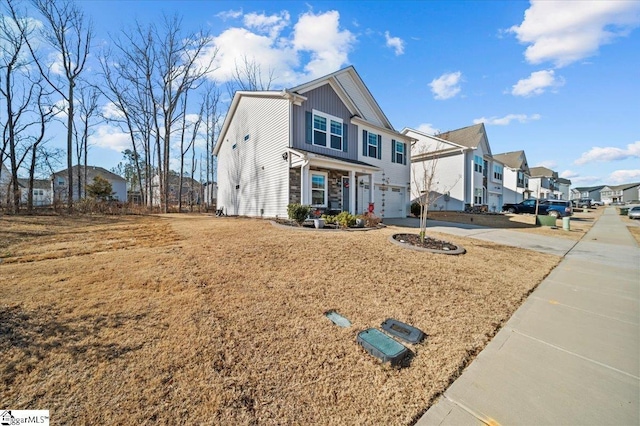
x,y
554,245
570,355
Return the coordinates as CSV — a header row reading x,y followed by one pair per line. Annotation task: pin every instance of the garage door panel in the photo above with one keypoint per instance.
x,y
393,200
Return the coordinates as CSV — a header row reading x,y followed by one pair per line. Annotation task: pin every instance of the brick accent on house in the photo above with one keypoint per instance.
x,y
294,186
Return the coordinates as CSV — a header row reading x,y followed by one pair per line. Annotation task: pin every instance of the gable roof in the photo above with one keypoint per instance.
x,y
564,181
346,83
355,94
37,183
623,187
470,136
92,172
588,188
514,159
542,172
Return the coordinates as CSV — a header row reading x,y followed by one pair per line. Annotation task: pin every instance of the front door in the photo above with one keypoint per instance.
x,y
345,193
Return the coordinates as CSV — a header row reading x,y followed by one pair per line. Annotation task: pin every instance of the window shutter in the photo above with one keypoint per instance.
x,y
393,150
379,147
404,157
365,136
345,140
308,127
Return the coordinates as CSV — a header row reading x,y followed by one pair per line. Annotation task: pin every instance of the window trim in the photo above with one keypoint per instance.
x,y
498,172
366,144
478,163
394,157
325,175
327,131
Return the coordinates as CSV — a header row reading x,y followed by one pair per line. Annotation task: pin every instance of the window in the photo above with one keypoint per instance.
x,y
522,180
246,137
398,152
234,146
477,163
318,189
60,181
477,199
325,130
497,172
371,145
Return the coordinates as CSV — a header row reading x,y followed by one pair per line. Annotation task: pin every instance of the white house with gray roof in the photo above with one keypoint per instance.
x,y
516,176
466,174
325,143
59,182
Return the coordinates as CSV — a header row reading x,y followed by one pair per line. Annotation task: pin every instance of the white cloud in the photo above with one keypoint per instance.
x,y
230,14
111,138
585,180
271,25
624,176
396,43
507,119
566,31
536,83
320,35
428,129
568,174
609,153
549,164
264,39
447,85
110,111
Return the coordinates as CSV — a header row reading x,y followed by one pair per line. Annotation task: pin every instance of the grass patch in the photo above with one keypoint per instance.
x,y
220,320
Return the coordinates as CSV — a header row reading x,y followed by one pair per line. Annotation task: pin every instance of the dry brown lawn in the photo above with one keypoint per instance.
x,y
220,321
581,222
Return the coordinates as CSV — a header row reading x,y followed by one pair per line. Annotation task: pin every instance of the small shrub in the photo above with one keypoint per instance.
x,y
346,220
416,208
371,220
328,218
298,212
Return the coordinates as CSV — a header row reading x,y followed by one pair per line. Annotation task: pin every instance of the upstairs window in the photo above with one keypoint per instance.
x,y
371,145
326,131
497,172
477,163
398,152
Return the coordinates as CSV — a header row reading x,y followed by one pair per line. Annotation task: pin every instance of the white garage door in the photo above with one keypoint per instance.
x,y
392,200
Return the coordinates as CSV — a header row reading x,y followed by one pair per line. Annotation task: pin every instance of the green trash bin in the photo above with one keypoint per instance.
x,y
624,211
566,223
546,220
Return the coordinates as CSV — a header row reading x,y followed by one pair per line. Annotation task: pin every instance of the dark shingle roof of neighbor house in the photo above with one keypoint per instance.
x,y
541,172
565,181
37,183
510,159
470,136
92,172
624,186
588,188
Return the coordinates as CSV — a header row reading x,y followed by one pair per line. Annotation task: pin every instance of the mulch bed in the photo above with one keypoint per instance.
x,y
306,224
429,243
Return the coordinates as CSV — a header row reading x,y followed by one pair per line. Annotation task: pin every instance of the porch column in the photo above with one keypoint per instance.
x,y
353,183
304,185
371,191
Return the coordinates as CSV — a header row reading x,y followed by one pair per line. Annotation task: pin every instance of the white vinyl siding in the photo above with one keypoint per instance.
x,y
253,179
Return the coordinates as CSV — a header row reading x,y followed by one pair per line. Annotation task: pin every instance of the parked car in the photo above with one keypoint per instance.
x,y
557,208
595,203
585,203
634,212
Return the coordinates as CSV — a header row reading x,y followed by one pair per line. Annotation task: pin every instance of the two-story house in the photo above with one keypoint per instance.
x,y
325,143
516,176
543,183
620,193
592,192
464,172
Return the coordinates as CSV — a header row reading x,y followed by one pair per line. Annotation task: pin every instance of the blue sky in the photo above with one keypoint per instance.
x,y
560,80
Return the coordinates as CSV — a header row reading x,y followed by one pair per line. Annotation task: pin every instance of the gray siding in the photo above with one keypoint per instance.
x,y
324,99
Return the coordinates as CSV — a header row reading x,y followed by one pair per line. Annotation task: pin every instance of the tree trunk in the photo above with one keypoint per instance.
x,y
70,149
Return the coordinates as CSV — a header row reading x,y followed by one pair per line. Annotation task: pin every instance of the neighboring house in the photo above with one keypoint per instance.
x,y
191,192
543,183
620,193
466,174
5,180
42,193
516,177
564,189
210,193
325,143
60,188
592,192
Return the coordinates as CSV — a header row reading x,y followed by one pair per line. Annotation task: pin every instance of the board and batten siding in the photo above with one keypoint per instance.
x,y
253,178
324,99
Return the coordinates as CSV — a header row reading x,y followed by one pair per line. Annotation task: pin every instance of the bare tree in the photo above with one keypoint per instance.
x,y
426,187
16,89
85,120
69,34
247,75
186,145
211,115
